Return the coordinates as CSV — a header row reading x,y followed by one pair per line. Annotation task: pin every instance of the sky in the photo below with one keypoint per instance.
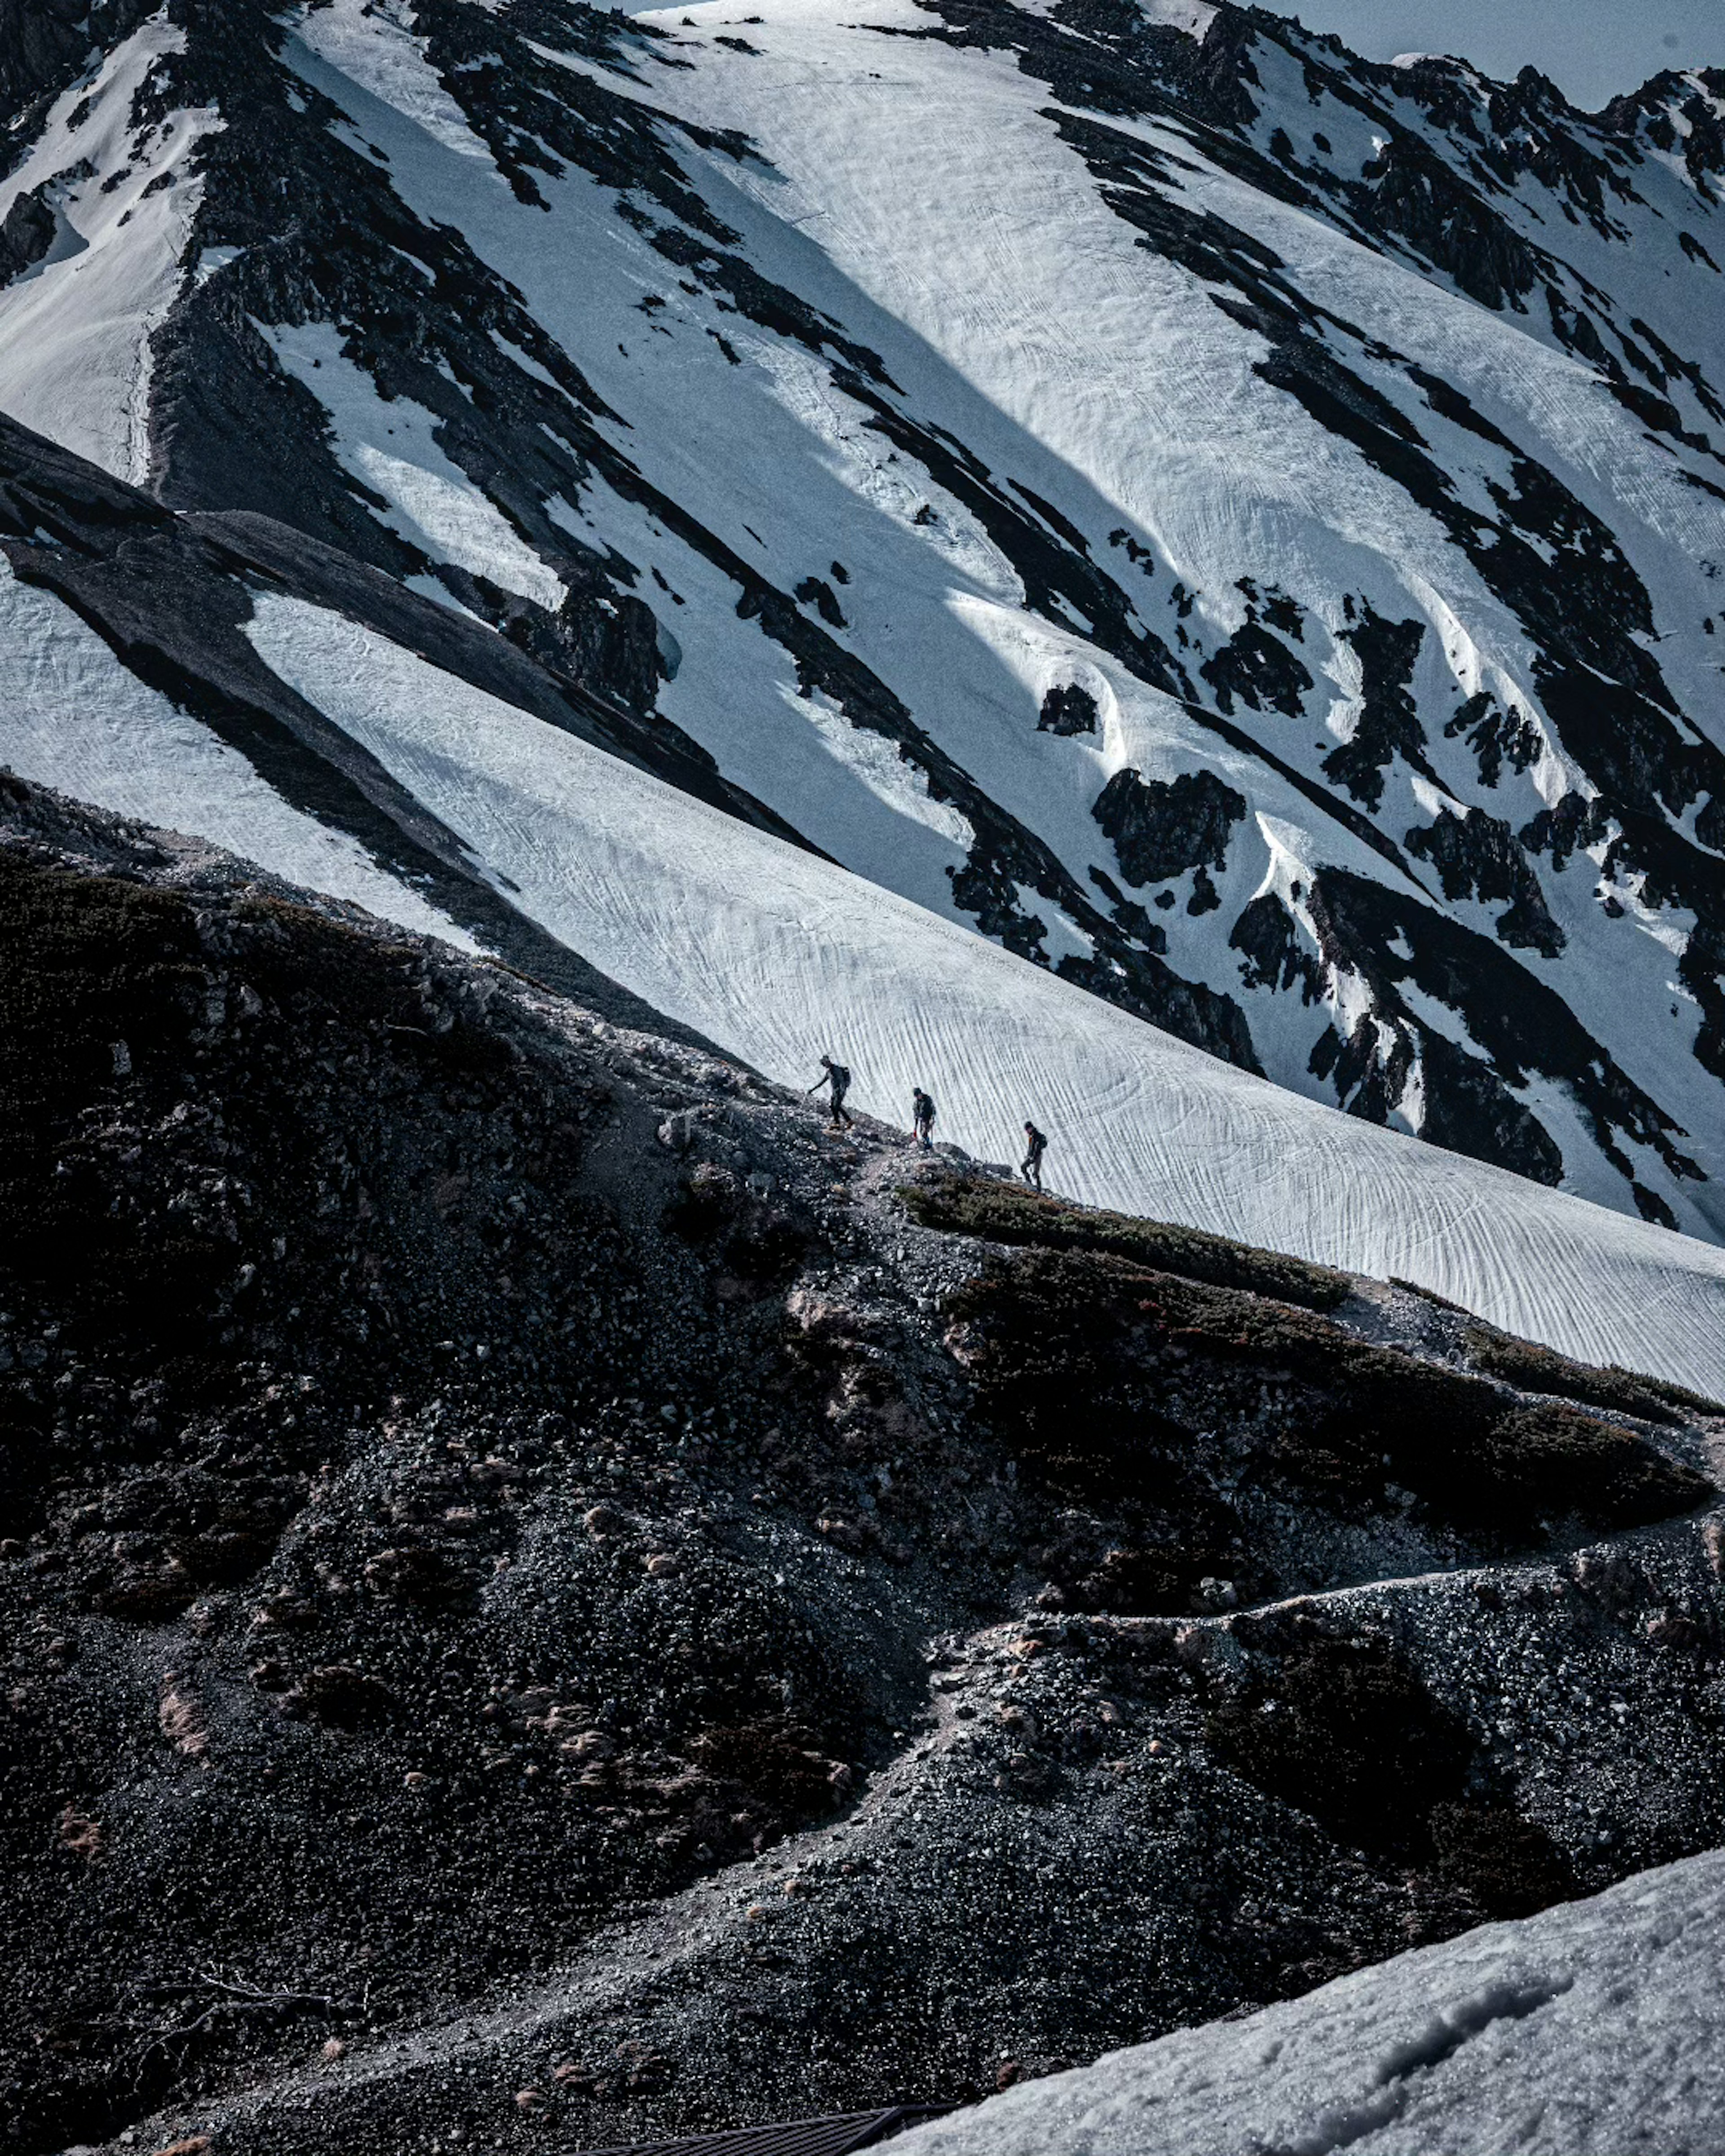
x,y
1591,48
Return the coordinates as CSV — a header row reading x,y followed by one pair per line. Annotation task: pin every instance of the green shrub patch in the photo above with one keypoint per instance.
x,y
976,1205
1535,1369
1107,1377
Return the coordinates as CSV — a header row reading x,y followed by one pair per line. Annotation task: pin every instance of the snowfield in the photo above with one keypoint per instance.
x,y
1594,2029
75,329
1107,559
780,957
1066,478
1088,371
76,720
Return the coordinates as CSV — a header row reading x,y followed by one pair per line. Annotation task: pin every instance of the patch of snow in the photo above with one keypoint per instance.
x,y
876,761
211,260
74,718
1598,2025
373,43
857,455
1063,938
1431,798
390,444
74,333
1194,17
433,588
1411,1109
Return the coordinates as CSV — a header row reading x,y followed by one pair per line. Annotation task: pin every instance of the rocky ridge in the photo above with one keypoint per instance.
x,y
547,1597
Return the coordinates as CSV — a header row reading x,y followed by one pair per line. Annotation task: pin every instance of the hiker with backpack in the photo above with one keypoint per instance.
x,y
922,1118
1031,1167
839,1078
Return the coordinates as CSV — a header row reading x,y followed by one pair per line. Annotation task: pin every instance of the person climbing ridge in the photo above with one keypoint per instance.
x,y
1035,1145
839,1078
922,1117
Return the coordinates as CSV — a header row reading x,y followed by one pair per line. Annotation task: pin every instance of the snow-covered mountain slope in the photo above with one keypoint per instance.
x,y
1592,2026
1235,526
101,215
773,952
489,821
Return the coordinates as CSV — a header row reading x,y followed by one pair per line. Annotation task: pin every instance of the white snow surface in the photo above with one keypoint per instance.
x,y
1594,2029
391,443
74,718
74,330
779,957
923,198
926,199
373,43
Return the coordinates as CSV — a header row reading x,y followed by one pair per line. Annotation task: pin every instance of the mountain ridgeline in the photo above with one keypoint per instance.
x,y
1237,525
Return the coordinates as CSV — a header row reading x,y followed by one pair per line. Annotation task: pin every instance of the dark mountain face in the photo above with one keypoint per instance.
x,y
1472,667
539,1581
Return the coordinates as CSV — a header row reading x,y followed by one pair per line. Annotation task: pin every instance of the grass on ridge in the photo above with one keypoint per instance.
x,y
1001,1212
1535,1369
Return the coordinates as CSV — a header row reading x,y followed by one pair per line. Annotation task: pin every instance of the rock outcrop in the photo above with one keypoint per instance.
x,y
549,1598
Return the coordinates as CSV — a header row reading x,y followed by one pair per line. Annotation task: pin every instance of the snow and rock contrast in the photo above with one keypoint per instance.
x,y
224,673
1596,2026
548,1597
1109,559
1234,525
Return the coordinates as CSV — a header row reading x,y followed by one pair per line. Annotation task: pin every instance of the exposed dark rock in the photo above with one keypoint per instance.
x,y
1069,708
1160,828
27,232
1478,856
1575,822
465,1546
1389,723
1518,1023
1470,1109
1274,954
1004,1213
812,592
1259,669
45,44
1496,737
